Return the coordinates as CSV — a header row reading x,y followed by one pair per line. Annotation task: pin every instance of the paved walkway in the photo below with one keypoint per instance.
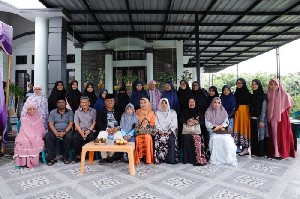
x,y
253,178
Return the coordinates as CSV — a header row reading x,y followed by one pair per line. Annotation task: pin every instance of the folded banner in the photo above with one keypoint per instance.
x,y
6,34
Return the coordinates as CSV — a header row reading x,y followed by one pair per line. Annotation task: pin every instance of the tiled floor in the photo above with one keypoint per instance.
x,y
253,178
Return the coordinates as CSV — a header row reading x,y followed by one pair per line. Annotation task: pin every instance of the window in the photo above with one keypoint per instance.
x,y
71,58
32,59
129,55
21,59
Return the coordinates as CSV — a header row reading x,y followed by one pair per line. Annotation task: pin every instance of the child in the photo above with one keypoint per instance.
x,y
127,124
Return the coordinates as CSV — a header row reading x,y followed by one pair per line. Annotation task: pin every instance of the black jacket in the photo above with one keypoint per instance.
x,y
101,118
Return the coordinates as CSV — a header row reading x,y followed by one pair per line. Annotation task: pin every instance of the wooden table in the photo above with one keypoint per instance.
x,y
92,147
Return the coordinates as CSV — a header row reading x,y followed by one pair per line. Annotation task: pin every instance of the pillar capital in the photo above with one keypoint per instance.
x,y
78,45
108,51
148,50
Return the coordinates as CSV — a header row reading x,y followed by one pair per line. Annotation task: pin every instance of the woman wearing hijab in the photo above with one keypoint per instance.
x,y
221,144
184,93
259,125
128,122
73,96
122,98
281,135
166,147
200,96
154,95
29,142
242,132
229,103
41,104
144,142
138,92
171,94
58,91
212,93
193,144
90,93
100,101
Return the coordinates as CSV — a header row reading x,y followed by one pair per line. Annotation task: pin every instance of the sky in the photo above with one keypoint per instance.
x,y
289,53
25,4
289,61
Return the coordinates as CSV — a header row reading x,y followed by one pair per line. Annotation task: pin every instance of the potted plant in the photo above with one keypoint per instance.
x,y
88,77
187,75
16,93
166,77
128,80
101,78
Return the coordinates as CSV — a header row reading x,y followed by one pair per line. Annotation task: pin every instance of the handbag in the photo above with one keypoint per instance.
x,y
191,129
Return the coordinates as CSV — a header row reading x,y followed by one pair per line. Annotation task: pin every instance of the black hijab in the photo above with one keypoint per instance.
x,y
189,113
242,95
184,95
210,98
137,95
122,98
73,96
201,98
257,99
91,95
56,94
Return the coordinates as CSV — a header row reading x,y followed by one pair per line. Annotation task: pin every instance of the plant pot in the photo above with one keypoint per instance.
x,y
100,85
117,87
84,85
146,87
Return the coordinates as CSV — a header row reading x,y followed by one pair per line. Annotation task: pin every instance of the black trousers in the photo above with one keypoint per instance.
x,y
78,141
50,141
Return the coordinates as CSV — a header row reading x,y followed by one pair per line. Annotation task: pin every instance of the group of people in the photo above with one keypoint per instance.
x,y
158,123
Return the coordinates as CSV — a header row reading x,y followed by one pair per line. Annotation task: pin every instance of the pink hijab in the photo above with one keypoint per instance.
x,y
216,116
278,101
30,122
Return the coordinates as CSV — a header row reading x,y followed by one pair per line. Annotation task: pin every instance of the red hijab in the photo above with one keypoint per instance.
x,y
278,101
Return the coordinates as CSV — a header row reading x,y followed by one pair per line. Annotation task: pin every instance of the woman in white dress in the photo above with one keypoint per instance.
x,y
221,143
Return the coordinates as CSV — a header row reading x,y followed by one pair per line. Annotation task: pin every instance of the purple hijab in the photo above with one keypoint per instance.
x,y
3,112
216,116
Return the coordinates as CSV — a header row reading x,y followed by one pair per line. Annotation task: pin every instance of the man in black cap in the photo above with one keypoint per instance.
x,y
60,125
108,123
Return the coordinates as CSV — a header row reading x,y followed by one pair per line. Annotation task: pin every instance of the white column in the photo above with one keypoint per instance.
x,y
179,57
109,71
78,66
3,65
149,60
41,53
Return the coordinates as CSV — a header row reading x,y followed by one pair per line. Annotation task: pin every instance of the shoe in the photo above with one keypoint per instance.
x,y
109,160
66,161
102,161
241,154
51,162
125,158
77,160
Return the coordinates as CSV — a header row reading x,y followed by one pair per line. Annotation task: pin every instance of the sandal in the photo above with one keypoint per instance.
x,y
67,161
51,162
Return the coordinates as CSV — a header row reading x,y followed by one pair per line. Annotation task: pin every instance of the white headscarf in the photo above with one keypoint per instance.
x,y
166,119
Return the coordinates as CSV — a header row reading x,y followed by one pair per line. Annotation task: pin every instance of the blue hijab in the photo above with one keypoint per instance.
x,y
100,101
128,121
171,95
228,101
